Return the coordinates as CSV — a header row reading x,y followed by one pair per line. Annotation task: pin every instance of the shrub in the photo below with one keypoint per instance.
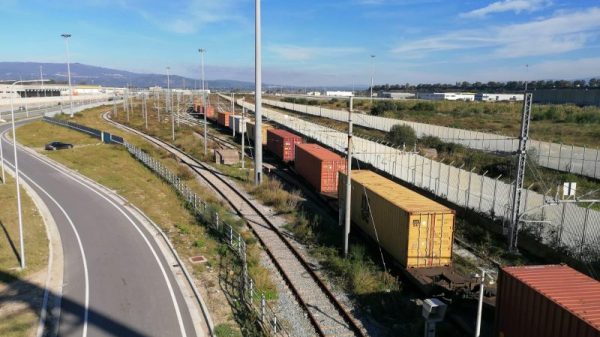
x,y
402,134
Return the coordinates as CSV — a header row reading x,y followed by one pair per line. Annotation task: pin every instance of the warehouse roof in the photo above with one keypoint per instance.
x,y
406,199
572,290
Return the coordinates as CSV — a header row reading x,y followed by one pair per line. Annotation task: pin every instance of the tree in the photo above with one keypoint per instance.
x,y
402,134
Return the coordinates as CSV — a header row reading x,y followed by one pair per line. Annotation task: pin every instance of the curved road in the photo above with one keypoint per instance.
x,y
116,280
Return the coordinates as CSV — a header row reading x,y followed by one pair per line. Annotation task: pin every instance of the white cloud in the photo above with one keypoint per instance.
x,y
302,53
561,33
516,6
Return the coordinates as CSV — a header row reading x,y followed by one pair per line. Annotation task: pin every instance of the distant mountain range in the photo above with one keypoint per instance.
x,y
87,74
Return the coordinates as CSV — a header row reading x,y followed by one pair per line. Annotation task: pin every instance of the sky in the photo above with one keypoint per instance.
x,y
315,43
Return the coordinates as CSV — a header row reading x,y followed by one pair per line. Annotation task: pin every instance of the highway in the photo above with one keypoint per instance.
x,y
117,282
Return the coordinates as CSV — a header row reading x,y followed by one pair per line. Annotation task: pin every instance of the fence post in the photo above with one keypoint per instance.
x,y
549,152
230,235
562,223
583,160
481,189
458,187
263,303
494,196
274,323
251,290
217,220
448,181
422,170
571,160
559,156
468,192
439,175
596,162
240,244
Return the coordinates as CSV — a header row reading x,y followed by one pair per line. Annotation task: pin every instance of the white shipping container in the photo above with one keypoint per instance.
x,y
235,123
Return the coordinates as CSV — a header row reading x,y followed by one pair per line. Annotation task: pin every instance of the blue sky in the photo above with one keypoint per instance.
x,y
316,42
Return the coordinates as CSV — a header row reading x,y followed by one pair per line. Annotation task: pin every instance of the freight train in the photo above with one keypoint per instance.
x,y
415,231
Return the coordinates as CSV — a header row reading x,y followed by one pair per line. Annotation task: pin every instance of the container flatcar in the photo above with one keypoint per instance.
x,y
264,127
319,167
417,231
235,123
547,301
282,143
223,118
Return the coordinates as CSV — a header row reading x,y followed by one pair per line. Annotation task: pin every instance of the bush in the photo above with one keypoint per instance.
x,y
402,134
379,108
432,142
226,330
424,106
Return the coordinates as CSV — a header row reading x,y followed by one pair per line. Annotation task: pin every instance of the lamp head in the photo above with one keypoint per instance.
x,y
66,35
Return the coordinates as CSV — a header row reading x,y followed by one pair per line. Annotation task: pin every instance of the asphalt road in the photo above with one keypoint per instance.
x,y
116,280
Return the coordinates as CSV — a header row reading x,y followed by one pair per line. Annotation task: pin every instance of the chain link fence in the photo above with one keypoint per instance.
x,y
561,226
567,158
251,297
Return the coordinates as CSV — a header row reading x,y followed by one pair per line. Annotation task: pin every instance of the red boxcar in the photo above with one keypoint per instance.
x,y
547,301
282,143
319,167
223,118
210,112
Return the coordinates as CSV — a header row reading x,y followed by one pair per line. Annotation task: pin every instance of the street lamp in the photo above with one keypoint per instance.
x,y
168,103
258,97
202,51
67,36
14,136
372,57
481,279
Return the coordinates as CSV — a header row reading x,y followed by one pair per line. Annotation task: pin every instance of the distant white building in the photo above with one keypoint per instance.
x,y
314,93
339,93
498,97
448,96
395,95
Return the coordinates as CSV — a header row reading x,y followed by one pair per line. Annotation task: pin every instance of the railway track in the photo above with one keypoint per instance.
x,y
329,317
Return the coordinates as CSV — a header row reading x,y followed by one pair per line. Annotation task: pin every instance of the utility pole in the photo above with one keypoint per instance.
x,y
522,159
243,131
347,203
2,161
202,51
169,108
145,111
480,303
372,57
233,113
257,97
67,36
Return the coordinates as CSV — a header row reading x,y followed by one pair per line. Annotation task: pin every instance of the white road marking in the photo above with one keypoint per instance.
x,y
81,250
165,276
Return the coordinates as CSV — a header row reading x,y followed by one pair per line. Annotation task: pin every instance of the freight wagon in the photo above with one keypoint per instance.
x,y
319,167
210,112
282,143
415,230
547,301
223,118
250,129
235,123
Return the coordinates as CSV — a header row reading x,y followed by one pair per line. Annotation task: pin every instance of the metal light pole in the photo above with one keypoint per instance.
x,y
67,36
480,304
233,113
347,202
257,97
2,160
243,131
17,181
202,51
372,57
169,104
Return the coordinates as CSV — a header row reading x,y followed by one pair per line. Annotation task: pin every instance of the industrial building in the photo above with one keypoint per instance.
x,y
339,93
580,97
486,97
396,95
447,96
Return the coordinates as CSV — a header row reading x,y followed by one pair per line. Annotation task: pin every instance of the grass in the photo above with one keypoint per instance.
x,y
112,166
23,321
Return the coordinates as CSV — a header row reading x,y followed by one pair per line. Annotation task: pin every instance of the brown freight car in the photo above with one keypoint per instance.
x,y
210,112
418,232
547,301
282,143
319,167
223,118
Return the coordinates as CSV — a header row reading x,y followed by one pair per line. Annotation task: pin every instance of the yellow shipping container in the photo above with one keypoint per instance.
x,y
415,230
250,130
